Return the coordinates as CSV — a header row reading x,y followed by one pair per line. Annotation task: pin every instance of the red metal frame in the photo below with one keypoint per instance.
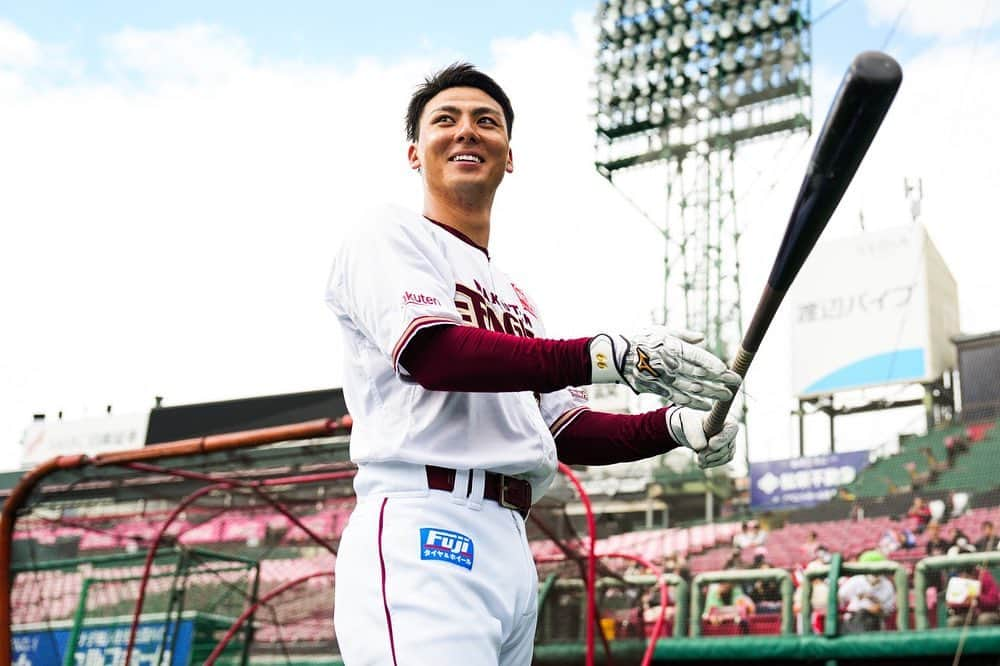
x,y
187,447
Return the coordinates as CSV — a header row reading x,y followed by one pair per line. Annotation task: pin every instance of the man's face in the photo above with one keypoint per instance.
x,y
463,146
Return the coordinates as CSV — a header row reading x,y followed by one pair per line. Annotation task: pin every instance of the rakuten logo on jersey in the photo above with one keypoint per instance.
x,y
446,546
410,298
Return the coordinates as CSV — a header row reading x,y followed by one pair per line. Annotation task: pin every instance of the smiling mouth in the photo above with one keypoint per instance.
x,y
468,159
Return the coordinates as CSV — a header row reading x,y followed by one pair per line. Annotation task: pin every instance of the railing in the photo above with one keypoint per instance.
x,y
833,571
936,563
545,618
783,578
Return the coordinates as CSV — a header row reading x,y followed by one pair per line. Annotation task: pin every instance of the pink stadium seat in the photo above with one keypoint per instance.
x,y
765,624
724,629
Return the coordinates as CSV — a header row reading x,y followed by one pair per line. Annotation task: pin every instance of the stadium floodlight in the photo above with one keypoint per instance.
x,y
682,63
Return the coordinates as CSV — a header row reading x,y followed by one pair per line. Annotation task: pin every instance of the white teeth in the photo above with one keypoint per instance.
x,y
465,158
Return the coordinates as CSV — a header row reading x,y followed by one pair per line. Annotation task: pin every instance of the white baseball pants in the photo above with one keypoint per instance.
x,y
426,577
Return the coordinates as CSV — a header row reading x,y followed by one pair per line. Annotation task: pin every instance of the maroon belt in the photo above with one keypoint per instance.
x,y
504,490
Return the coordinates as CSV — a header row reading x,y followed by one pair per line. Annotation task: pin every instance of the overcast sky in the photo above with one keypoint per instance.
x,y
174,181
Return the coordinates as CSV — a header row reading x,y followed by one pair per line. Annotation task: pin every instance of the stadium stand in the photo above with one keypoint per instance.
x,y
102,519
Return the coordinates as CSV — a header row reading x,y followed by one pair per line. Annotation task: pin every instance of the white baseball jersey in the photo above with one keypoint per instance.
x,y
397,274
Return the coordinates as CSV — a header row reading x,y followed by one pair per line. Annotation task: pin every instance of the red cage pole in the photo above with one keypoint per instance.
x,y
591,559
217,652
647,658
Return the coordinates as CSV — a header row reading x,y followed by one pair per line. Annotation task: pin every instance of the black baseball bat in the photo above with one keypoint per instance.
x,y
864,97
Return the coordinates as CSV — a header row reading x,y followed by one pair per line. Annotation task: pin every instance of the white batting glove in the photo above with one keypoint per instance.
x,y
687,427
665,362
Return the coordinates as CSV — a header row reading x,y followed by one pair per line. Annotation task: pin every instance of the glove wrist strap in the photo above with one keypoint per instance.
x,y
675,427
607,354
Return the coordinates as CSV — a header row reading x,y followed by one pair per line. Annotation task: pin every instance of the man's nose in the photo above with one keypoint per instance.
x,y
467,130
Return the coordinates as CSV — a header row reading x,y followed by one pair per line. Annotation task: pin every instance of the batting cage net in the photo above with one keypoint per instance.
x,y
222,550
217,550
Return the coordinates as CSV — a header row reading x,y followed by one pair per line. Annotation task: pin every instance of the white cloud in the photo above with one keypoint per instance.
x,y
194,53
17,49
933,17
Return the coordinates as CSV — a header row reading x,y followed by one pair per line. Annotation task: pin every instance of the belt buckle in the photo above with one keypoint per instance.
x,y
520,504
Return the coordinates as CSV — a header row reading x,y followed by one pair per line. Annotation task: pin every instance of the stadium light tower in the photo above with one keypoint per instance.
x,y
679,85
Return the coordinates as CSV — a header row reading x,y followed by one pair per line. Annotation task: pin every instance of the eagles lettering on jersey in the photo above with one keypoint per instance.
x,y
485,309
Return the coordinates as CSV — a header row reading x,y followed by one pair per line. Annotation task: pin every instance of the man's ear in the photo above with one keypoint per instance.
x,y
413,156
510,161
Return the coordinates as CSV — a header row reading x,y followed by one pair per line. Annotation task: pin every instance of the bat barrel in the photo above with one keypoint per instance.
x,y
863,99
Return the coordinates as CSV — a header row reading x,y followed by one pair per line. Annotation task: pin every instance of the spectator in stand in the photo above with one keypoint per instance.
x,y
809,547
889,541
742,539
960,542
758,535
973,597
918,478
935,544
954,445
869,599
765,594
989,540
958,504
857,512
820,591
735,560
651,605
919,515
726,602
893,540
907,539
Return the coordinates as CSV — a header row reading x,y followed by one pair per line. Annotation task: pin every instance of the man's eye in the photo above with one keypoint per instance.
x,y
444,118
489,120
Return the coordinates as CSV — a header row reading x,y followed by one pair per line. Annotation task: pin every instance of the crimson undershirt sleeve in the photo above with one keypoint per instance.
x,y
463,358
600,438
472,360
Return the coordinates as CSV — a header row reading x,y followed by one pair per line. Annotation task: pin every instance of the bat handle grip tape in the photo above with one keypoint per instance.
x,y
717,417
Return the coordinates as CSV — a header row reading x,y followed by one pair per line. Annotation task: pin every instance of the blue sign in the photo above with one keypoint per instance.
x,y
104,645
802,482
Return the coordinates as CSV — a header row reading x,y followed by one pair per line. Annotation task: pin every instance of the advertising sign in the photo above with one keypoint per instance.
x,y
105,644
47,439
802,482
870,310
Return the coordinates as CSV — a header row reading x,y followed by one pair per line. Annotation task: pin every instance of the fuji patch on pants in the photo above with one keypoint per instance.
x,y
446,546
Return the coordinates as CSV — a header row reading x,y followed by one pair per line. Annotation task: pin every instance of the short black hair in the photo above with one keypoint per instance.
x,y
455,75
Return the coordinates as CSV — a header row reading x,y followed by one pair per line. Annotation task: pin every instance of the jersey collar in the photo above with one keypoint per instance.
x,y
459,235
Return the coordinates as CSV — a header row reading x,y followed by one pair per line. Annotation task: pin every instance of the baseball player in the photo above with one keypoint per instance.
x,y
462,406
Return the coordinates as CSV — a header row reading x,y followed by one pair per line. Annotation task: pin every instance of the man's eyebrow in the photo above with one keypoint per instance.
x,y
477,112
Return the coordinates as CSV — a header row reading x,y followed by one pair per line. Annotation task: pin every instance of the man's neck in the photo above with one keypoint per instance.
x,y
471,220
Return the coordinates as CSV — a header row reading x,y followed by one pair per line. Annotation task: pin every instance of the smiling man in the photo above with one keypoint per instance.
x,y
462,407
